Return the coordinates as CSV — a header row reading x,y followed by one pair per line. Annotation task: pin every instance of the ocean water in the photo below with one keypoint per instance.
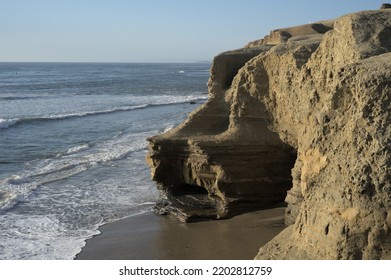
x,y
73,146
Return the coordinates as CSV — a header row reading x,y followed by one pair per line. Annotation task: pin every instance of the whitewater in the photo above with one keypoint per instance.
x,y
73,145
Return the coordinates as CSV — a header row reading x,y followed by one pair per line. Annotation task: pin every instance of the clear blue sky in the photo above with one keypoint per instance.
x,y
149,30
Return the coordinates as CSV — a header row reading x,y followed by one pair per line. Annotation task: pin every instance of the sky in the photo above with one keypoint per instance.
x,y
149,30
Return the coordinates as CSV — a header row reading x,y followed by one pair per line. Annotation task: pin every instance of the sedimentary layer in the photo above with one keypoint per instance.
x,y
206,169
302,116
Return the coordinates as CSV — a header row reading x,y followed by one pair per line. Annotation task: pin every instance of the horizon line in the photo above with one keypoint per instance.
x,y
112,62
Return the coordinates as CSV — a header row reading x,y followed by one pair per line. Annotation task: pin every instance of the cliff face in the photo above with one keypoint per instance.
x,y
206,169
305,118
336,111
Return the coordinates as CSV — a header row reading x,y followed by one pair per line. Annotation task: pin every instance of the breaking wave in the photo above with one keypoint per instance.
x,y
6,123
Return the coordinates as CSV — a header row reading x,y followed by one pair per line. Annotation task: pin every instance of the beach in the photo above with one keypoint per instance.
x,y
149,236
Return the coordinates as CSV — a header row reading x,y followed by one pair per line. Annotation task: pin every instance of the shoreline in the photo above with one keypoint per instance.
x,y
149,236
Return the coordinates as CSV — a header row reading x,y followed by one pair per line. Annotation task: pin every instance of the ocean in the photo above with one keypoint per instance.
x,y
73,146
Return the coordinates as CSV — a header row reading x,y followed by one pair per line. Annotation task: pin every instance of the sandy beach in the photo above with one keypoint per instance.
x,y
149,236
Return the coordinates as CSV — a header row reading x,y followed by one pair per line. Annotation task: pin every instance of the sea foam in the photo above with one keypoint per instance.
x,y
162,100
74,161
73,146
6,123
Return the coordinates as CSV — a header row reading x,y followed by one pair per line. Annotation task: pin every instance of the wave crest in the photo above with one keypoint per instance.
x,y
6,123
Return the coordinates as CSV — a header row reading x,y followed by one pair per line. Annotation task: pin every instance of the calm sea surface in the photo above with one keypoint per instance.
x,y
73,146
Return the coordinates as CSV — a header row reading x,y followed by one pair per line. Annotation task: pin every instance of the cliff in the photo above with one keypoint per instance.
x,y
302,115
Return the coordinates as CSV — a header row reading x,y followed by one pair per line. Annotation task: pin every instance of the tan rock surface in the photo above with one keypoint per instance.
x,y
342,131
313,31
306,120
203,172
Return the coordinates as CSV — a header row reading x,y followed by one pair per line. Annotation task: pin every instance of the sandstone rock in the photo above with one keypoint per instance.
x,y
335,109
203,173
307,120
296,33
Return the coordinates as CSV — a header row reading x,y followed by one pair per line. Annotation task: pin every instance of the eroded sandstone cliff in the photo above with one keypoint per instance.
x,y
303,115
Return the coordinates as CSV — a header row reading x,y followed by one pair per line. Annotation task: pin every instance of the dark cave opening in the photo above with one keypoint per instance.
x,y
187,189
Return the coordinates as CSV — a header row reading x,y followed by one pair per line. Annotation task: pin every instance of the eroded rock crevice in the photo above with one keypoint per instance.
x,y
206,180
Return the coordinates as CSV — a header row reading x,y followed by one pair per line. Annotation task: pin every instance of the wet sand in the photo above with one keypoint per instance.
x,y
149,236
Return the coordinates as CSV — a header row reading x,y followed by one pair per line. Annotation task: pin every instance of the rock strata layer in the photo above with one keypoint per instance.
x,y
207,169
302,116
